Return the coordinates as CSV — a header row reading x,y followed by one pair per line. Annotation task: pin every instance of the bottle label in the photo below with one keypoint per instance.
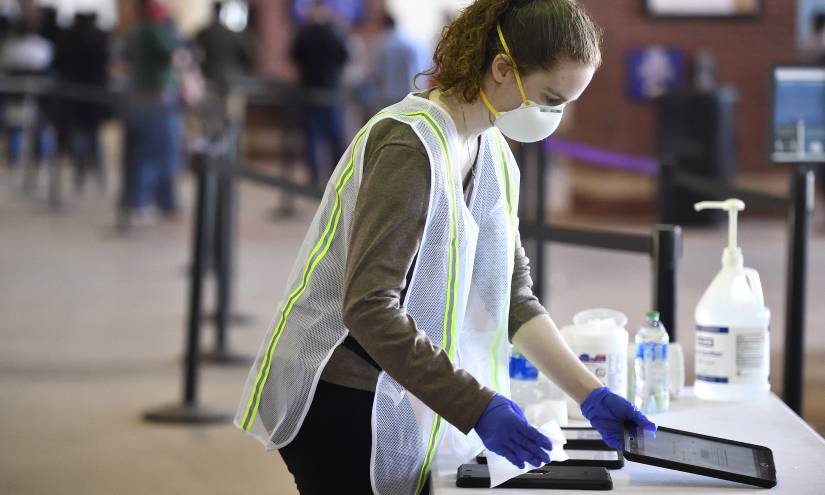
x,y
651,351
610,369
737,355
522,369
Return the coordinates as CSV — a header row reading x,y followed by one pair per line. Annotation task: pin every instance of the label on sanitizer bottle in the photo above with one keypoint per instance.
x,y
731,354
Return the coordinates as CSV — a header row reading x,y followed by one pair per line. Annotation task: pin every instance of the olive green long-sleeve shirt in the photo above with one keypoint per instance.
x,y
389,219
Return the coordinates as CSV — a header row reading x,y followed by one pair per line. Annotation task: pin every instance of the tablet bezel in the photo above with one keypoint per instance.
x,y
566,478
690,468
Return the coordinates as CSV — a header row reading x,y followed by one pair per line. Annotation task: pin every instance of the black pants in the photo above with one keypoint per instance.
x,y
331,453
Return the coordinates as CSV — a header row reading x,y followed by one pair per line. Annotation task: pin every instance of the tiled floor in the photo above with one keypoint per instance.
x,y
91,326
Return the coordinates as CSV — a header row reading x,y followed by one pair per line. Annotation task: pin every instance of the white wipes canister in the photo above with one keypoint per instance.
x,y
599,339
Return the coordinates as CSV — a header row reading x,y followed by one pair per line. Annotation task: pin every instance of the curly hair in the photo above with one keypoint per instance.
x,y
539,33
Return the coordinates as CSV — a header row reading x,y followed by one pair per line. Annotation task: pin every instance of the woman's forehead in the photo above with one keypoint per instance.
x,y
566,80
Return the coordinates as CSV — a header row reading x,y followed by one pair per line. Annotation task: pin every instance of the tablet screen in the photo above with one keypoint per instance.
x,y
699,452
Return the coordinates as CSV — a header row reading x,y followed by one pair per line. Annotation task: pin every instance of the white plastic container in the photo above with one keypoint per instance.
x,y
732,339
599,339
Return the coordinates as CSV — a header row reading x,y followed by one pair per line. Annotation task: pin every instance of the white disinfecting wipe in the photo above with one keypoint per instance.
x,y
502,470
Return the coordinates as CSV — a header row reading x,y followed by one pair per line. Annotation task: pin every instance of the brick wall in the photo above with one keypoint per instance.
x,y
277,30
744,49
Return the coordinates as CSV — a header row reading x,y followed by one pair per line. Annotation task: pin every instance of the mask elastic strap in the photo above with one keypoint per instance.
x,y
513,61
487,103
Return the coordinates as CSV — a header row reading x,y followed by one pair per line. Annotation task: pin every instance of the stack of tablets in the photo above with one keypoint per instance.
x,y
590,458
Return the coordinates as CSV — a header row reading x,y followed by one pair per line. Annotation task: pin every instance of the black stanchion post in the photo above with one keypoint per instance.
x,y
539,260
801,205
190,411
225,235
665,190
55,174
27,163
667,243
222,242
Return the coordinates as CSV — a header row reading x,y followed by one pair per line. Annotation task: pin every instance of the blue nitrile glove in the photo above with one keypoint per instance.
x,y
505,431
607,412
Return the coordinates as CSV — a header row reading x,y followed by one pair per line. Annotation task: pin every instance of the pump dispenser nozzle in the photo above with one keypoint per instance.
x,y
732,255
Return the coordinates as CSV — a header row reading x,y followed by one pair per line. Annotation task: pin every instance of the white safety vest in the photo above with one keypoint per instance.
x,y
459,295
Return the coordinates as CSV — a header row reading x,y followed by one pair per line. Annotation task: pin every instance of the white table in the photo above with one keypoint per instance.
x,y
799,452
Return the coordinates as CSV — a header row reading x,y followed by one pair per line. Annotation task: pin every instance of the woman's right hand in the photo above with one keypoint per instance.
x,y
505,431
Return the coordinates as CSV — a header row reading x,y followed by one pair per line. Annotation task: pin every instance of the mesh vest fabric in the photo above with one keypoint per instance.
x,y
308,324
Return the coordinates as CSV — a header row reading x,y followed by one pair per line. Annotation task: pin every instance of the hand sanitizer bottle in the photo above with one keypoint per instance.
x,y
732,321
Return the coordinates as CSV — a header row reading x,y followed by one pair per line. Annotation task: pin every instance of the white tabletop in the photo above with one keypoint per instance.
x,y
798,451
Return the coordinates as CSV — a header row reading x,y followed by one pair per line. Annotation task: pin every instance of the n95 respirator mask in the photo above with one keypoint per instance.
x,y
530,122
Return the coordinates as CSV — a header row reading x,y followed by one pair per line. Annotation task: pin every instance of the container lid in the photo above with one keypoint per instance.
x,y
599,318
652,315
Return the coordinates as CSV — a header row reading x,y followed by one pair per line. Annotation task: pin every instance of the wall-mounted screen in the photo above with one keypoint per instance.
x,y
798,123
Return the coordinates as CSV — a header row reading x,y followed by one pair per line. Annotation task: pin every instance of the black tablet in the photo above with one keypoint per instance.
x,y
547,477
701,454
581,457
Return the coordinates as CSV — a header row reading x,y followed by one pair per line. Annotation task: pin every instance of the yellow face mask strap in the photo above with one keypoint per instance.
x,y
513,61
487,103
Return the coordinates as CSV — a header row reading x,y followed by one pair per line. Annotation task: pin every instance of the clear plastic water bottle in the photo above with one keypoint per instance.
x,y
524,381
651,380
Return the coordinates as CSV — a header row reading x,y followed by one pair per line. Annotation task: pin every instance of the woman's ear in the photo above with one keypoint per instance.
x,y
501,68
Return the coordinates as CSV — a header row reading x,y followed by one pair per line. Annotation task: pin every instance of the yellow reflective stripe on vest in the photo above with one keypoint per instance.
x,y
320,249
497,341
505,170
449,327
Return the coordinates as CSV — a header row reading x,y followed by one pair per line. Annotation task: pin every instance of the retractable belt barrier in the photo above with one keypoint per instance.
x,y
215,163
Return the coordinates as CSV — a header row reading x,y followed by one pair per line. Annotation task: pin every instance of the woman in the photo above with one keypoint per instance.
x,y
393,334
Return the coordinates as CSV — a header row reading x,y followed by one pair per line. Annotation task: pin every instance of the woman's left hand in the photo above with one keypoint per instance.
x,y
608,412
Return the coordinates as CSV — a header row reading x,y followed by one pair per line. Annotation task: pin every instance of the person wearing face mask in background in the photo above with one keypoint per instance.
x,y
392,335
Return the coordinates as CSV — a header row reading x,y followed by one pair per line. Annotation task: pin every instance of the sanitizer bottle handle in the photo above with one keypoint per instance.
x,y
756,284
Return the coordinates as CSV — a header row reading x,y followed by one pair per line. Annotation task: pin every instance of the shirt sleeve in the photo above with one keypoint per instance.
x,y
388,224
524,305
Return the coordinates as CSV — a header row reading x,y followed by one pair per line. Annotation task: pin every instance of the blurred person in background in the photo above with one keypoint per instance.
x,y
49,25
251,36
355,76
224,54
27,53
82,60
5,28
812,48
320,53
395,64
153,116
